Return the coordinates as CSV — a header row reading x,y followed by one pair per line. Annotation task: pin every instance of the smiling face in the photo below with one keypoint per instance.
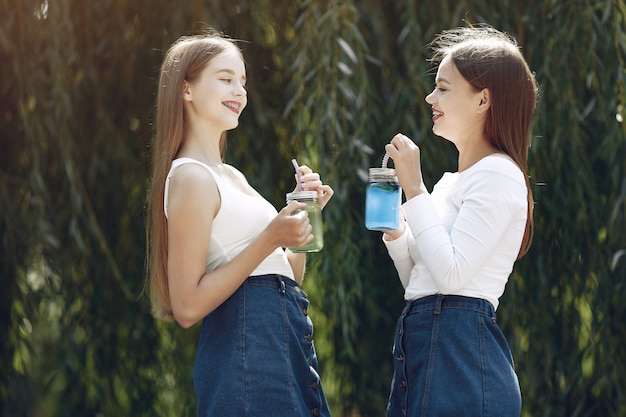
x,y
218,96
457,114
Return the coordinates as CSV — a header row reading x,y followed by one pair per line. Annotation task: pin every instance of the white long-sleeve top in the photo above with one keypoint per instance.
x,y
464,237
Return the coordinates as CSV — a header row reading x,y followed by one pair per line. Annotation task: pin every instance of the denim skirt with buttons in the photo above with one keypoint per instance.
x,y
256,357
451,359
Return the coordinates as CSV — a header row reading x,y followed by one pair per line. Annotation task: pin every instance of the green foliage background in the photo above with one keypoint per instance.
x,y
330,82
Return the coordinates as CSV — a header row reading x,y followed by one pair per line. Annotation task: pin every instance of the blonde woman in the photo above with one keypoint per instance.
x,y
216,246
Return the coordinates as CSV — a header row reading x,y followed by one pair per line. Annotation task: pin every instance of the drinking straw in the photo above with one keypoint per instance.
x,y
298,173
385,160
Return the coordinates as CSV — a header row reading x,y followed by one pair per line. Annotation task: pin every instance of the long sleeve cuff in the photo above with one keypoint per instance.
x,y
398,248
399,252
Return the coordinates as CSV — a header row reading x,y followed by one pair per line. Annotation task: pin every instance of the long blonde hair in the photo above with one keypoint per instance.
x,y
184,61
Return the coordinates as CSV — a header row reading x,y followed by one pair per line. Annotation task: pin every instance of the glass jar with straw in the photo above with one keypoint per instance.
x,y
383,198
314,212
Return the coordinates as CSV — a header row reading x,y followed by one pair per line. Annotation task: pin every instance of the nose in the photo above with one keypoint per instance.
x,y
430,99
240,90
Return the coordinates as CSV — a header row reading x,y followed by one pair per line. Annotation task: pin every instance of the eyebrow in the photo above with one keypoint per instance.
x,y
228,71
442,80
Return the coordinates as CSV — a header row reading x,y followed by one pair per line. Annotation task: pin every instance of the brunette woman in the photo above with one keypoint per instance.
x,y
456,246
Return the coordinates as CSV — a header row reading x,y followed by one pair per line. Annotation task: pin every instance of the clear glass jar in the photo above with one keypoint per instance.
x,y
382,200
315,219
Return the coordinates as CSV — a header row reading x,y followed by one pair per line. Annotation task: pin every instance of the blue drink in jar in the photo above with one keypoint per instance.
x,y
382,200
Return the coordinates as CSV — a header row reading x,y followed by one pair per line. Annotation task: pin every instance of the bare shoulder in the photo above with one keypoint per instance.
x,y
193,191
192,173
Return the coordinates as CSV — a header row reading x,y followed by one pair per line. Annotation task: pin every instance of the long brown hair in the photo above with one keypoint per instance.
x,y
184,61
488,58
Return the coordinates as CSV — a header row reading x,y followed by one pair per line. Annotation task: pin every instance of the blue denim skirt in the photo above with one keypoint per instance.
x,y
256,357
451,359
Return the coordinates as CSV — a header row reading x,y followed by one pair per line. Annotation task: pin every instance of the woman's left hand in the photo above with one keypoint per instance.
x,y
311,181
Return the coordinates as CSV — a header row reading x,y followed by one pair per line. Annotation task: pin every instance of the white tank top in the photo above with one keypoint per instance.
x,y
243,214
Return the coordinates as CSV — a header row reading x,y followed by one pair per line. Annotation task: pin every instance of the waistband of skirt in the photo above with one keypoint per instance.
x,y
280,282
439,302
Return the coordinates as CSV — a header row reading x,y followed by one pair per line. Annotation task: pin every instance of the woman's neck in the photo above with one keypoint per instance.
x,y
202,149
474,152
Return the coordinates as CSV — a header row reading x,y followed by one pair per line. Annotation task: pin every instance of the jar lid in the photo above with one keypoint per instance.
x,y
302,195
383,174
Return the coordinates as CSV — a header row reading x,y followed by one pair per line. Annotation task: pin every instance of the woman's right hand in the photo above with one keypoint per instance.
x,y
406,160
290,229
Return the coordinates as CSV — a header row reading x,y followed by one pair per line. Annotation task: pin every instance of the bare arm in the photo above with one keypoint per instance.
x,y
193,203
